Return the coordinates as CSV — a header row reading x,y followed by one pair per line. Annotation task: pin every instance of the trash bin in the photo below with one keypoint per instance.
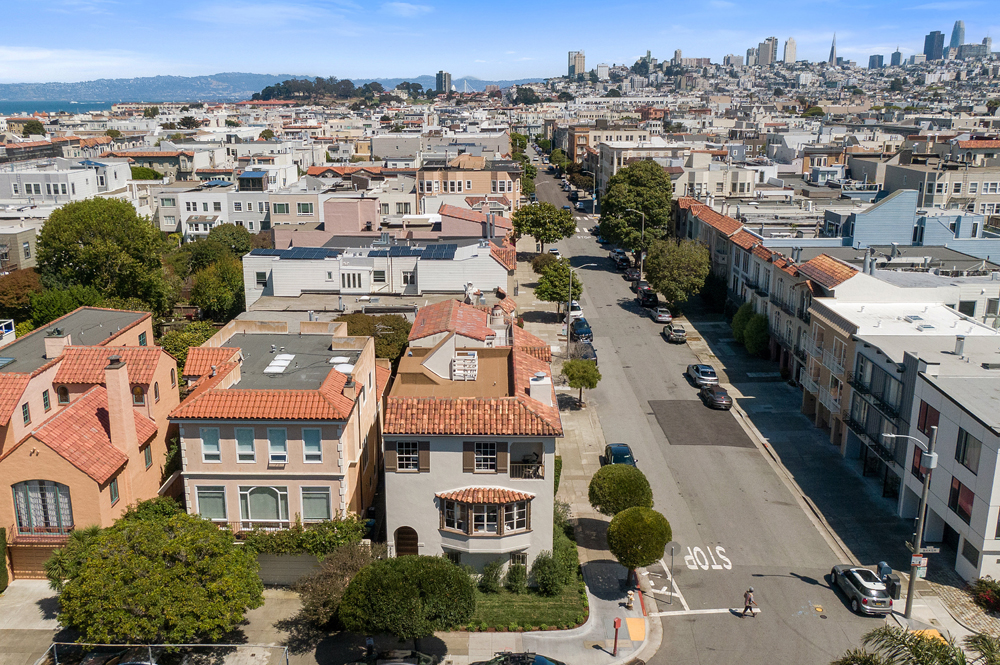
x,y
893,585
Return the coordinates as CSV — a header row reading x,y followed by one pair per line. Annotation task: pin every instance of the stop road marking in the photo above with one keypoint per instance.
x,y
697,558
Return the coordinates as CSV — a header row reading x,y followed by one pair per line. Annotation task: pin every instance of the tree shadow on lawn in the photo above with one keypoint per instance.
x,y
542,316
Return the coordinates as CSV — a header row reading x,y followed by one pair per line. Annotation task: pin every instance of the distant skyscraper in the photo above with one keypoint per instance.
x,y
442,81
733,60
767,51
934,45
751,56
789,51
897,58
957,34
832,60
577,64
988,43
602,72
875,62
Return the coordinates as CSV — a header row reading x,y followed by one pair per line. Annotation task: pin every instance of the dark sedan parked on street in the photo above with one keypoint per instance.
x,y
618,453
579,331
716,397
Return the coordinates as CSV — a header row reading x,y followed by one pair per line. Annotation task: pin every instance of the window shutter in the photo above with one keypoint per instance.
x,y
424,456
468,457
441,513
527,514
390,455
502,457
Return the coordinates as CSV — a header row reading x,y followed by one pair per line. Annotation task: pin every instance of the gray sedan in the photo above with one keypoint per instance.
x,y
864,590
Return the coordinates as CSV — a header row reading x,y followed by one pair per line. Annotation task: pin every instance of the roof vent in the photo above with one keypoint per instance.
x,y
991,365
925,326
913,317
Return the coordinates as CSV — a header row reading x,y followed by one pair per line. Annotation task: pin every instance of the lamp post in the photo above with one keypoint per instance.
x,y
569,300
642,238
593,206
928,460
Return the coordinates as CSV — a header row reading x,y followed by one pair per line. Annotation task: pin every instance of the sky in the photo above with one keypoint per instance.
x,y
79,40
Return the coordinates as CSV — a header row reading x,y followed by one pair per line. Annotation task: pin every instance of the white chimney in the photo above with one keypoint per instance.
x,y
540,388
55,340
121,418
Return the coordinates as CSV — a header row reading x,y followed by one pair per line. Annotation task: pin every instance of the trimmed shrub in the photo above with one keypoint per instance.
x,y
516,579
740,321
564,551
548,574
756,335
637,536
319,539
558,472
541,263
986,593
489,581
616,487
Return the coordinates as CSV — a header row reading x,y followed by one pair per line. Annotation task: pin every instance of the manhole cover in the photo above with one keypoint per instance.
x,y
822,616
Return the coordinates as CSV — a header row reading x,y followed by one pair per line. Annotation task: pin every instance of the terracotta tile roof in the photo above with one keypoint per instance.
x,y
527,343
485,495
509,416
707,215
11,388
476,200
235,404
81,433
762,252
982,143
451,316
448,210
505,255
85,364
382,377
97,140
744,239
508,305
827,271
201,358
149,153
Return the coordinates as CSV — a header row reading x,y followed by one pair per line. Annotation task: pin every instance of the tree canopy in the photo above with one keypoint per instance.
x,y
637,536
553,285
544,222
50,304
145,173
178,342
267,135
189,122
526,95
756,335
391,332
677,270
33,127
160,575
618,487
893,645
235,238
218,289
16,290
322,591
581,374
642,186
151,112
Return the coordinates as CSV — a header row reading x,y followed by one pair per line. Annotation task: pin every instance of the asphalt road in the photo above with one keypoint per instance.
x,y
736,522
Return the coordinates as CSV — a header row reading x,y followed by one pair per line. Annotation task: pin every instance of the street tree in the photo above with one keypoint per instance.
x,y
113,133
677,270
894,645
644,186
322,591
618,487
581,374
637,537
151,112
189,122
235,238
160,575
756,335
740,321
16,289
409,597
554,286
33,127
544,222
218,289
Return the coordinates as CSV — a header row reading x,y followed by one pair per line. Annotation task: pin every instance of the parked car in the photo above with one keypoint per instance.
x,y
507,658
555,252
703,375
622,263
661,315
596,229
575,311
617,253
864,590
579,206
579,331
566,208
631,275
618,453
716,397
647,297
638,284
586,351
675,334
600,239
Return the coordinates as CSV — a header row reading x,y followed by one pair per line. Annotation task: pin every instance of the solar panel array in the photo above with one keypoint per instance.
x,y
266,252
439,252
308,253
397,251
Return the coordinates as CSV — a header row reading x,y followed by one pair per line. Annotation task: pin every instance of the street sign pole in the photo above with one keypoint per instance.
x,y
911,587
618,624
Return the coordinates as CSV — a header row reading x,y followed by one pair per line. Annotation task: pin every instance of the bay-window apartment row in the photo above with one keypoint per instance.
x,y
267,445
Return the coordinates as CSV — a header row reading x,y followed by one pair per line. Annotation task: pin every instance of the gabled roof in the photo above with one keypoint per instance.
x,y
81,434
527,343
85,364
827,271
11,388
448,210
744,239
382,376
201,358
505,255
485,495
451,316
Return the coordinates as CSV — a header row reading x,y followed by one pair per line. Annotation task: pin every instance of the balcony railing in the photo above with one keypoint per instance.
x,y
527,471
855,381
812,348
885,452
834,363
785,307
39,534
876,400
241,528
803,314
829,400
810,382
800,352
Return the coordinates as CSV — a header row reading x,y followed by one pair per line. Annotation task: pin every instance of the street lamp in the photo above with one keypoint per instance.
x,y
593,206
569,300
928,460
642,238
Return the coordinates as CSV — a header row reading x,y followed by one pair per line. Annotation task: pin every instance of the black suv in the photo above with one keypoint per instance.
x,y
646,297
579,331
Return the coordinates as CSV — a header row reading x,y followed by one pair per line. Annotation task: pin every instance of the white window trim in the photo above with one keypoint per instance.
x,y
218,443
271,455
302,503
225,503
305,454
253,441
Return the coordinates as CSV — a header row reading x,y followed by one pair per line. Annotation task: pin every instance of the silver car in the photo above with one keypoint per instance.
x,y
661,315
703,375
865,591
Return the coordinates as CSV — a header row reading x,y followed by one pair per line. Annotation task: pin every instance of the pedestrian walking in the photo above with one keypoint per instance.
x,y
748,603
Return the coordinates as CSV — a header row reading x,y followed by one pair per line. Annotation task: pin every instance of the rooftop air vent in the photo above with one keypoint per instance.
x,y
925,326
913,317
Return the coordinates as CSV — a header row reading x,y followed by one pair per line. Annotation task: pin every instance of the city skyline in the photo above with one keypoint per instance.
x,y
385,33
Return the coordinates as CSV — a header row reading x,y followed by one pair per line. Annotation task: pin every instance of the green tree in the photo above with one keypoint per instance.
x,y
554,285
565,97
409,597
778,92
756,335
267,135
178,342
65,562
993,104
190,122
232,123
542,262
322,591
813,112
893,645
33,127
235,238
203,253
559,158
103,243
581,374
16,290
218,289
168,125
145,173
113,133
614,92
637,537
677,269
544,222
527,96
544,144
643,186
50,304
618,487
740,321
160,576
391,332
150,112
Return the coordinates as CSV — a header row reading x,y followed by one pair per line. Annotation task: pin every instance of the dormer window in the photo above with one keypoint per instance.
x,y
138,397
62,393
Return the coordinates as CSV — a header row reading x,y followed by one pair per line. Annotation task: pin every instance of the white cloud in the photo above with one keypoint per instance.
x,y
77,64
406,9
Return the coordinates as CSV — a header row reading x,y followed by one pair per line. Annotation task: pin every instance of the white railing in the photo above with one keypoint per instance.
x,y
809,382
813,348
833,363
464,366
829,400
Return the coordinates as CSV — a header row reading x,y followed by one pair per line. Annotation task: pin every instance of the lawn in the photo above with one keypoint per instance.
x,y
531,610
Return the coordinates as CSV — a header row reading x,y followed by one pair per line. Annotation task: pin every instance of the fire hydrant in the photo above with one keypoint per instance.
x,y
631,599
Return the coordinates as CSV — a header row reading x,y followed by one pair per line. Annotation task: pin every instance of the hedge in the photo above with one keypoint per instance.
x,y
3,559
318,539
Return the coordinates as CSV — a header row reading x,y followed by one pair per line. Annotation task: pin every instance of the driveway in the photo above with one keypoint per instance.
x,y
27,621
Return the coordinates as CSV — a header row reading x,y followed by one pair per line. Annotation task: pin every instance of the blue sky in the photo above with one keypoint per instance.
x,y
85,39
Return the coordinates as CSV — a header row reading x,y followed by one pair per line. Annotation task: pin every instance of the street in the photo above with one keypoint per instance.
x,y
734,518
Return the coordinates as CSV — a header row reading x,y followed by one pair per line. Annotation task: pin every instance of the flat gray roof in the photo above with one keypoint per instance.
x,y
86,327
941,256
978,395
308,359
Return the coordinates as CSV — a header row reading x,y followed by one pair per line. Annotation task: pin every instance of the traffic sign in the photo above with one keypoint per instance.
x,y
930,550
918,560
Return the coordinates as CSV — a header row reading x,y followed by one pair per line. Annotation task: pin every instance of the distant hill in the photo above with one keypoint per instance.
x,y
475,84
217,87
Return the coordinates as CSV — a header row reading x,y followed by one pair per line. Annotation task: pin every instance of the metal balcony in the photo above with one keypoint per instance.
x,y
833,363
803,314
829,400
812,348
809,382
855,382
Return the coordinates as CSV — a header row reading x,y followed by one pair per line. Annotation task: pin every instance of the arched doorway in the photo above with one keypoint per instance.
x,y
406,541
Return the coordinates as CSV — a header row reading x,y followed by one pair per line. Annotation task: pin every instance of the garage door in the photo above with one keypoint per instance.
x,y
28,561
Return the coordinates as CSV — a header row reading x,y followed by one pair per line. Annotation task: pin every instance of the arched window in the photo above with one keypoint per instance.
x,y
173,377
42,506
63,393
156,392
138,398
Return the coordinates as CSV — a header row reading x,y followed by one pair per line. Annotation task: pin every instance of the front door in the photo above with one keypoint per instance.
x,y
406,541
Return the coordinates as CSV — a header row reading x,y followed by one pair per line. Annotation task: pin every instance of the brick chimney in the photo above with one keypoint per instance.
x,y
55,340
120,413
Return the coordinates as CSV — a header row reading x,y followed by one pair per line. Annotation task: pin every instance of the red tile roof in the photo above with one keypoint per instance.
x,y
707,215
505,255
744,239
81,434
235,404
85,364
762,252
11,388
982,143
149,153
485,495
507,305
382,377
509,416
827,271
525,342
201,358
451,316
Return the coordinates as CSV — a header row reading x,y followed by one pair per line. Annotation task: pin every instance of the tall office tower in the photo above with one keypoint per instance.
x,y
832,60
934,45
988,43
442,81
767,51
577,64
957,35
677,57
603,72
751,57
897,58
789,51
875,62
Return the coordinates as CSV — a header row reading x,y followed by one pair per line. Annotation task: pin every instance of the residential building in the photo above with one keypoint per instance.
x,y
469,175
470,429
195,210
584,138
63,181
17,247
